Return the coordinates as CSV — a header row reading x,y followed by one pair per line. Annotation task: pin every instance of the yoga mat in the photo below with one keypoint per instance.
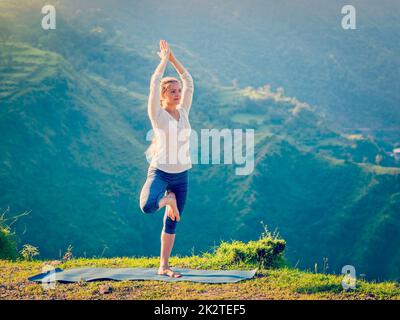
x,y
119,274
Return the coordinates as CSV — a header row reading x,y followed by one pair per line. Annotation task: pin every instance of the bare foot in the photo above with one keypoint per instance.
x,y
172,207
168,272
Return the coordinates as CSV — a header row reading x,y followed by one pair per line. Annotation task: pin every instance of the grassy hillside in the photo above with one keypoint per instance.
x,y
285,283
65,144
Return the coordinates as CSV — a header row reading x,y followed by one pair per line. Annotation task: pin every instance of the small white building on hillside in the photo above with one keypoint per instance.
x,y
396,153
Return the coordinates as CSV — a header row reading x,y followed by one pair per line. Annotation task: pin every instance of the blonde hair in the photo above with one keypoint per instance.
x,y
164,85
150,151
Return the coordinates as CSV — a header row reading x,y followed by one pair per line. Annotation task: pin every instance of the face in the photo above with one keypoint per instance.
x,y
172,95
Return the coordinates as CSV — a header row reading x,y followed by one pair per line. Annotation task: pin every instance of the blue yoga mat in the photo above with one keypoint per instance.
x,y
119,274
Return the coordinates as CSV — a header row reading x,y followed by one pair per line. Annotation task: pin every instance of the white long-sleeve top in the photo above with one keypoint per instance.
x,y
171,151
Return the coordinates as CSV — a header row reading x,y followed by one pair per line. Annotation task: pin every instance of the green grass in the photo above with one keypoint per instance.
x,y
283,283
273,279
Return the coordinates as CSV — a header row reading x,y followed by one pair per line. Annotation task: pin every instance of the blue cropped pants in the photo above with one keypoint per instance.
x,y
158,182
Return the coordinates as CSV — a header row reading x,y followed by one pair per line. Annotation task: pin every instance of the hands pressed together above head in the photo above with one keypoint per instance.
x,y
165,51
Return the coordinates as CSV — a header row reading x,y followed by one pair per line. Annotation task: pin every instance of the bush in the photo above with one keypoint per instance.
x,y
28,252
263,253
8,246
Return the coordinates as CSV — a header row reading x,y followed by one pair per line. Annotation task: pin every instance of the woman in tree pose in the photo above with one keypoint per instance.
x,y
167,176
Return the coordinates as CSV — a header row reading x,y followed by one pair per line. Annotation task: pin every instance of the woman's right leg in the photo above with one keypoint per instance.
x,y
153,192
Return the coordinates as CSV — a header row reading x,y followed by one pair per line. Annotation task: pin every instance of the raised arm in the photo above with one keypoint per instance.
x,y
153,104
187,82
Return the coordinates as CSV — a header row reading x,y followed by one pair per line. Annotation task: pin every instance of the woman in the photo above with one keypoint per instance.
x,y
167,177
